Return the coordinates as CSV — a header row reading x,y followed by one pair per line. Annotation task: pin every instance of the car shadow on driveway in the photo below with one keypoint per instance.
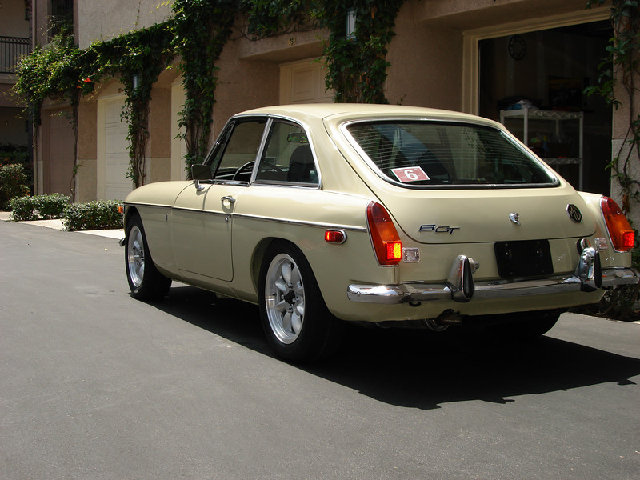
x,y
421,369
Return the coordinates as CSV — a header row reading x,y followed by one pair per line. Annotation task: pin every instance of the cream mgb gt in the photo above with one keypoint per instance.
x,y
375,213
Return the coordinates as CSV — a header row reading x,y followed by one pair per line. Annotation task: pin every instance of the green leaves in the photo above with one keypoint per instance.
x,y
201,28
197,32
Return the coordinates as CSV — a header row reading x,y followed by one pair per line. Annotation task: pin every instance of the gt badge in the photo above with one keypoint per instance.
x,y
574,213
438,229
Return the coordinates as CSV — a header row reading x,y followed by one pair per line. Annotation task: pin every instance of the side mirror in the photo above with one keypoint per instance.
x,y
200,172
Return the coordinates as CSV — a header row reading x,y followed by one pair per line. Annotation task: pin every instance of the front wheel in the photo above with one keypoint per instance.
x,y
145,281
295,319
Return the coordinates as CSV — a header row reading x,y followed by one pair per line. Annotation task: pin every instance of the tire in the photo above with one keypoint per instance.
x,y
295,319
145,281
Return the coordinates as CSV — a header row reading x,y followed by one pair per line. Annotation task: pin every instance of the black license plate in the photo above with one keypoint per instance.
x,y
528,258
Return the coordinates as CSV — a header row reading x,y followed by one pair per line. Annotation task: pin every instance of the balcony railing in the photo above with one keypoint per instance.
x,y
11,49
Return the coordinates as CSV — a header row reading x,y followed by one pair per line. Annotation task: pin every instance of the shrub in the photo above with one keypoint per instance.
x,y
13,183
22,209
98,215
50,206
38,206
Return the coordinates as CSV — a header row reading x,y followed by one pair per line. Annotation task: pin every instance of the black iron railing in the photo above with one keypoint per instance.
x,y
11,49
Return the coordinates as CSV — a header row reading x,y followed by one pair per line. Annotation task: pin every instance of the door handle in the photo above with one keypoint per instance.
x,y
229,199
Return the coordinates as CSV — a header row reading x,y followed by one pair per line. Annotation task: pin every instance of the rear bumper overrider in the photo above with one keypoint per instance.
x,y
461,286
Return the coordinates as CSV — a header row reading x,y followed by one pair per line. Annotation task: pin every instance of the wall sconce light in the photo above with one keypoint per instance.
x,y
136,81
351,24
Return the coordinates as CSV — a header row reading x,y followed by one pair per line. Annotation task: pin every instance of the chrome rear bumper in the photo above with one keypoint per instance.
x,y
423,292
460,286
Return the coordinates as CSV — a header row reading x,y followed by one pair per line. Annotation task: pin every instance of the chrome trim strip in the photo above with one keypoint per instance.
x,y
423,292
142,204
332,226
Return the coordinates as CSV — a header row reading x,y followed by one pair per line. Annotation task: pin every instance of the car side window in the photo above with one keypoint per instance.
x,y
287,157
234,159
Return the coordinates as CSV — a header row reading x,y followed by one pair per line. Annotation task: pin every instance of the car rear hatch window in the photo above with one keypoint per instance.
x,y
427,154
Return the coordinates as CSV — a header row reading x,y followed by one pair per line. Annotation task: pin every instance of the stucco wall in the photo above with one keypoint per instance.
x,y
87,151
100,20
425,63
12,19
242,84
469,14
159,145
57,150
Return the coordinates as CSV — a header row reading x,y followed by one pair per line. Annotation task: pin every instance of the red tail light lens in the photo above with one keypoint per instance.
x,y
384,235
621,234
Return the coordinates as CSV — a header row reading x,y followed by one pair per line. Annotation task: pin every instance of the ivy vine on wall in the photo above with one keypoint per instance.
x,y
619,82
356,64
137,58
197,32
201,28
61,70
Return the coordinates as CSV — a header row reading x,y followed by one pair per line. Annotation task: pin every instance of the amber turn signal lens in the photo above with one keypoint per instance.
x,y
621,234
384,235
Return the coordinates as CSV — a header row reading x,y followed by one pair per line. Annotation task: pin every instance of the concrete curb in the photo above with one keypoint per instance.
x,y
56,224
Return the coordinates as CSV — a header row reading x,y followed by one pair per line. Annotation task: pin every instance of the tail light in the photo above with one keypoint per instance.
x,y
621,234
384,235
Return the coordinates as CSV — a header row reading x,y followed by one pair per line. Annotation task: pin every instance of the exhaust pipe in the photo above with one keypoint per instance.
x,y
443,321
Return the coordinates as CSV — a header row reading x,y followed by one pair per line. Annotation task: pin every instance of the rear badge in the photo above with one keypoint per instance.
x,y
574,213
438,229
515,218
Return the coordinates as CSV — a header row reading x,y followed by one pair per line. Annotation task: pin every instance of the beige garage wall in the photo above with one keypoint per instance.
x,y
178,145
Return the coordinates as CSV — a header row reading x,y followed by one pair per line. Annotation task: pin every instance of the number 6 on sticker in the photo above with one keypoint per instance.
x,y
410,174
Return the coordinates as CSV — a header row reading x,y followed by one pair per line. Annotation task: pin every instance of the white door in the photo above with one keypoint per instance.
x,y
303,82
114,153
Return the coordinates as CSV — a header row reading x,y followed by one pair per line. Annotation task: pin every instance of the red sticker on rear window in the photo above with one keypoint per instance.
x,y
410,174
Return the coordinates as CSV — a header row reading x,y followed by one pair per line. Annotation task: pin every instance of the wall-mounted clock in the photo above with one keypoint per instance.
x,y
517,47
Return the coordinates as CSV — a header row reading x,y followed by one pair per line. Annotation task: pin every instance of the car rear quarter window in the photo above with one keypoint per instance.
x,y
438,154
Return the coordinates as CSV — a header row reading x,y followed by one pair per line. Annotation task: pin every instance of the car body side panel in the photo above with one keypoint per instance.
x,y
272,212
201,230
154,205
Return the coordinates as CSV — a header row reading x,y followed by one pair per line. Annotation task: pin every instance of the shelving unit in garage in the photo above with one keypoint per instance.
x,y
555,153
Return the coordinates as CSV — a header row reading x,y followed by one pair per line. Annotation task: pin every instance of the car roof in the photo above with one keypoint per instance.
x,y
340,112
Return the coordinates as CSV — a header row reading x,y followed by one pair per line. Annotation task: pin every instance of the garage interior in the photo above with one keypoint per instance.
x,y
541,75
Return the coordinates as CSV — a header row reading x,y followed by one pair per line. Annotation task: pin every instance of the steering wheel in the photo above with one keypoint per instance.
x,y
243,169
269,167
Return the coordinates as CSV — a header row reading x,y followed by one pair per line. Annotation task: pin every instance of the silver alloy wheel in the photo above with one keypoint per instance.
x,y
135,256
284,298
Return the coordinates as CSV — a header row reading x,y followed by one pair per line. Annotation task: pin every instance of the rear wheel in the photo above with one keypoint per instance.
x,y
145,281
295,319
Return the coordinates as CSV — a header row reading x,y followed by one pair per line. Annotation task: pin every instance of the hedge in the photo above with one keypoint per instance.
x,y
38,207
13,183
22,209
97,215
